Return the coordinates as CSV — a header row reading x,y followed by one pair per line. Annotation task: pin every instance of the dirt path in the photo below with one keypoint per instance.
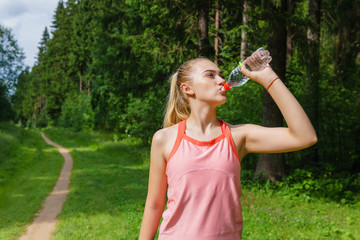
x,y
44,224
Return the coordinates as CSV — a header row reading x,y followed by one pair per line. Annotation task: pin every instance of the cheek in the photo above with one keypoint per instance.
x,y
204,86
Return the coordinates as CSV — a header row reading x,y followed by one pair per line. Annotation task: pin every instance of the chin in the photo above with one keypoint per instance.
x,y
222,101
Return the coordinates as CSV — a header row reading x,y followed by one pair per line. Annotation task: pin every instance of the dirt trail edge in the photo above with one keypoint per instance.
x,y
44,224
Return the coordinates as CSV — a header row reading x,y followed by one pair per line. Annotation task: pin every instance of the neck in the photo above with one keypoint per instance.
x,y
202,117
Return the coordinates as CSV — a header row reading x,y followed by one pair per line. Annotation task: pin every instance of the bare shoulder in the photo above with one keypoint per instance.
x,y
165,134
164,140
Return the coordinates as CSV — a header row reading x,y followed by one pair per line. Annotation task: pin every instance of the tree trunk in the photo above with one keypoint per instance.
x,y
34,119
347,67
313,75
88,87
216,40
291,30
243,33
272,165
204,44
80,82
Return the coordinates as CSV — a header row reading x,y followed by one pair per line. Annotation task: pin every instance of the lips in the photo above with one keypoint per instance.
x,y
222,91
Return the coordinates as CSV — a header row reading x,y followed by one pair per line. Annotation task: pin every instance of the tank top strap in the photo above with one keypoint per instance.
x,y
226,131
180,136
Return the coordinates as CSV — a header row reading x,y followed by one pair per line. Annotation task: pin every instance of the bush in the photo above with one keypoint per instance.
x,y
77,113
144,116
342,187
6,112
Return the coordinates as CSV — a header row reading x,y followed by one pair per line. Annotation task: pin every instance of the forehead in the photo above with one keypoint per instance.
x,y
203,65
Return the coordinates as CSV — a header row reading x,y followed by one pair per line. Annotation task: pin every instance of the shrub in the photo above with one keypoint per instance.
x,y
143,116
77,113
342,186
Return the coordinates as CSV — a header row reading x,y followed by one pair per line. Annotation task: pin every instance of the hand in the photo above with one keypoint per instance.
x,y
263,77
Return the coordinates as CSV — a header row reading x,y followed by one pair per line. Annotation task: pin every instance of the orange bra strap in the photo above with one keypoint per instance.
x,y
180,135
181,129
227,132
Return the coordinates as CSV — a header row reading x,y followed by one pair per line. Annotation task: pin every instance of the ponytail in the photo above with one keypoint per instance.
x,y
178,107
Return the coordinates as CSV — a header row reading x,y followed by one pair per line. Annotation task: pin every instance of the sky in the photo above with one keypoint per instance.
x,y
27,20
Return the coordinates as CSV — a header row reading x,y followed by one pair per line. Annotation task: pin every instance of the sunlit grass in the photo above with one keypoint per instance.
x,y
267,213
108,187
29,169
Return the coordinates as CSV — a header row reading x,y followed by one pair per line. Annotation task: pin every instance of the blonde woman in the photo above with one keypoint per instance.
x,y
195,158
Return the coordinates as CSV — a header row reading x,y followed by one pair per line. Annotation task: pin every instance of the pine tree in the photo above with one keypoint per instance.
x,y
62,78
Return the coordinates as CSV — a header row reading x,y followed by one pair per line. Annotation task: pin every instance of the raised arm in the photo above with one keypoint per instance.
x,y
298,135
155,201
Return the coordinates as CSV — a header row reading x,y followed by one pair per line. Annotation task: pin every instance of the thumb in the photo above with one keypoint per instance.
x,y
245,71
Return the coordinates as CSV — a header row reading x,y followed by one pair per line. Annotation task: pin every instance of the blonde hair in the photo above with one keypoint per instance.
x,y
178,108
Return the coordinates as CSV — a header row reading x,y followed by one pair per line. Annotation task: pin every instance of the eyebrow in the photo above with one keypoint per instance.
x,y
220,72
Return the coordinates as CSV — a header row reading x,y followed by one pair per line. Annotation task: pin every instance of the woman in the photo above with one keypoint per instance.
x,y
198,157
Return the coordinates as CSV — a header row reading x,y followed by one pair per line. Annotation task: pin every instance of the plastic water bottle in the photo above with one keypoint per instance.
x,y
257,61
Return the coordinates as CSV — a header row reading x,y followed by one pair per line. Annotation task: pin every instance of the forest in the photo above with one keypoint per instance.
x,y
105,66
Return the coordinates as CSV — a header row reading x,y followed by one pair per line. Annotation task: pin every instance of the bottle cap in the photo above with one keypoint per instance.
x,y
227,87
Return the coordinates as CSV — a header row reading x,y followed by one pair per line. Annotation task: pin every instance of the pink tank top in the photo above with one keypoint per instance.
x,y
203,189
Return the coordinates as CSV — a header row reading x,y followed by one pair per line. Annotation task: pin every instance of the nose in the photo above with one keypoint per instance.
x,y
221,81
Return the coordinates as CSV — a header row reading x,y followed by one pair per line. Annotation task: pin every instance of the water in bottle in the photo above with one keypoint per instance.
x,y
257,61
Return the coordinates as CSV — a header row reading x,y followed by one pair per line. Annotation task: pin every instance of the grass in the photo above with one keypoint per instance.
x,y
109,185
271,215
29,169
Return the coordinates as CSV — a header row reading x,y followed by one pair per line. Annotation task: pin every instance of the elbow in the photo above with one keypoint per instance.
x,y
307,141
312,140
157,204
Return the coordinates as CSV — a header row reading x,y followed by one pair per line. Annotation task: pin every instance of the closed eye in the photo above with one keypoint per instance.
x,y
212,75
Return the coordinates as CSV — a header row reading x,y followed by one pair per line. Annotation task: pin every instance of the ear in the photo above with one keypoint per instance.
x,y
187,89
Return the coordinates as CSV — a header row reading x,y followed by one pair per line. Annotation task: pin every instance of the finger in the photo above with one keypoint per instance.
x,y
266,66
245,71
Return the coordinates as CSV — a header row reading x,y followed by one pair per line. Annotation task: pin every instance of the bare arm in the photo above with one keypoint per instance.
x,y
298,135
155,201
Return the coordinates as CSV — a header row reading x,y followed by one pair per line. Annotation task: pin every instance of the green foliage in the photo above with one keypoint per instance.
x,y
77,113
6,111
11,65
123,52
144,116
339,187
138,44
243,105
11,61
